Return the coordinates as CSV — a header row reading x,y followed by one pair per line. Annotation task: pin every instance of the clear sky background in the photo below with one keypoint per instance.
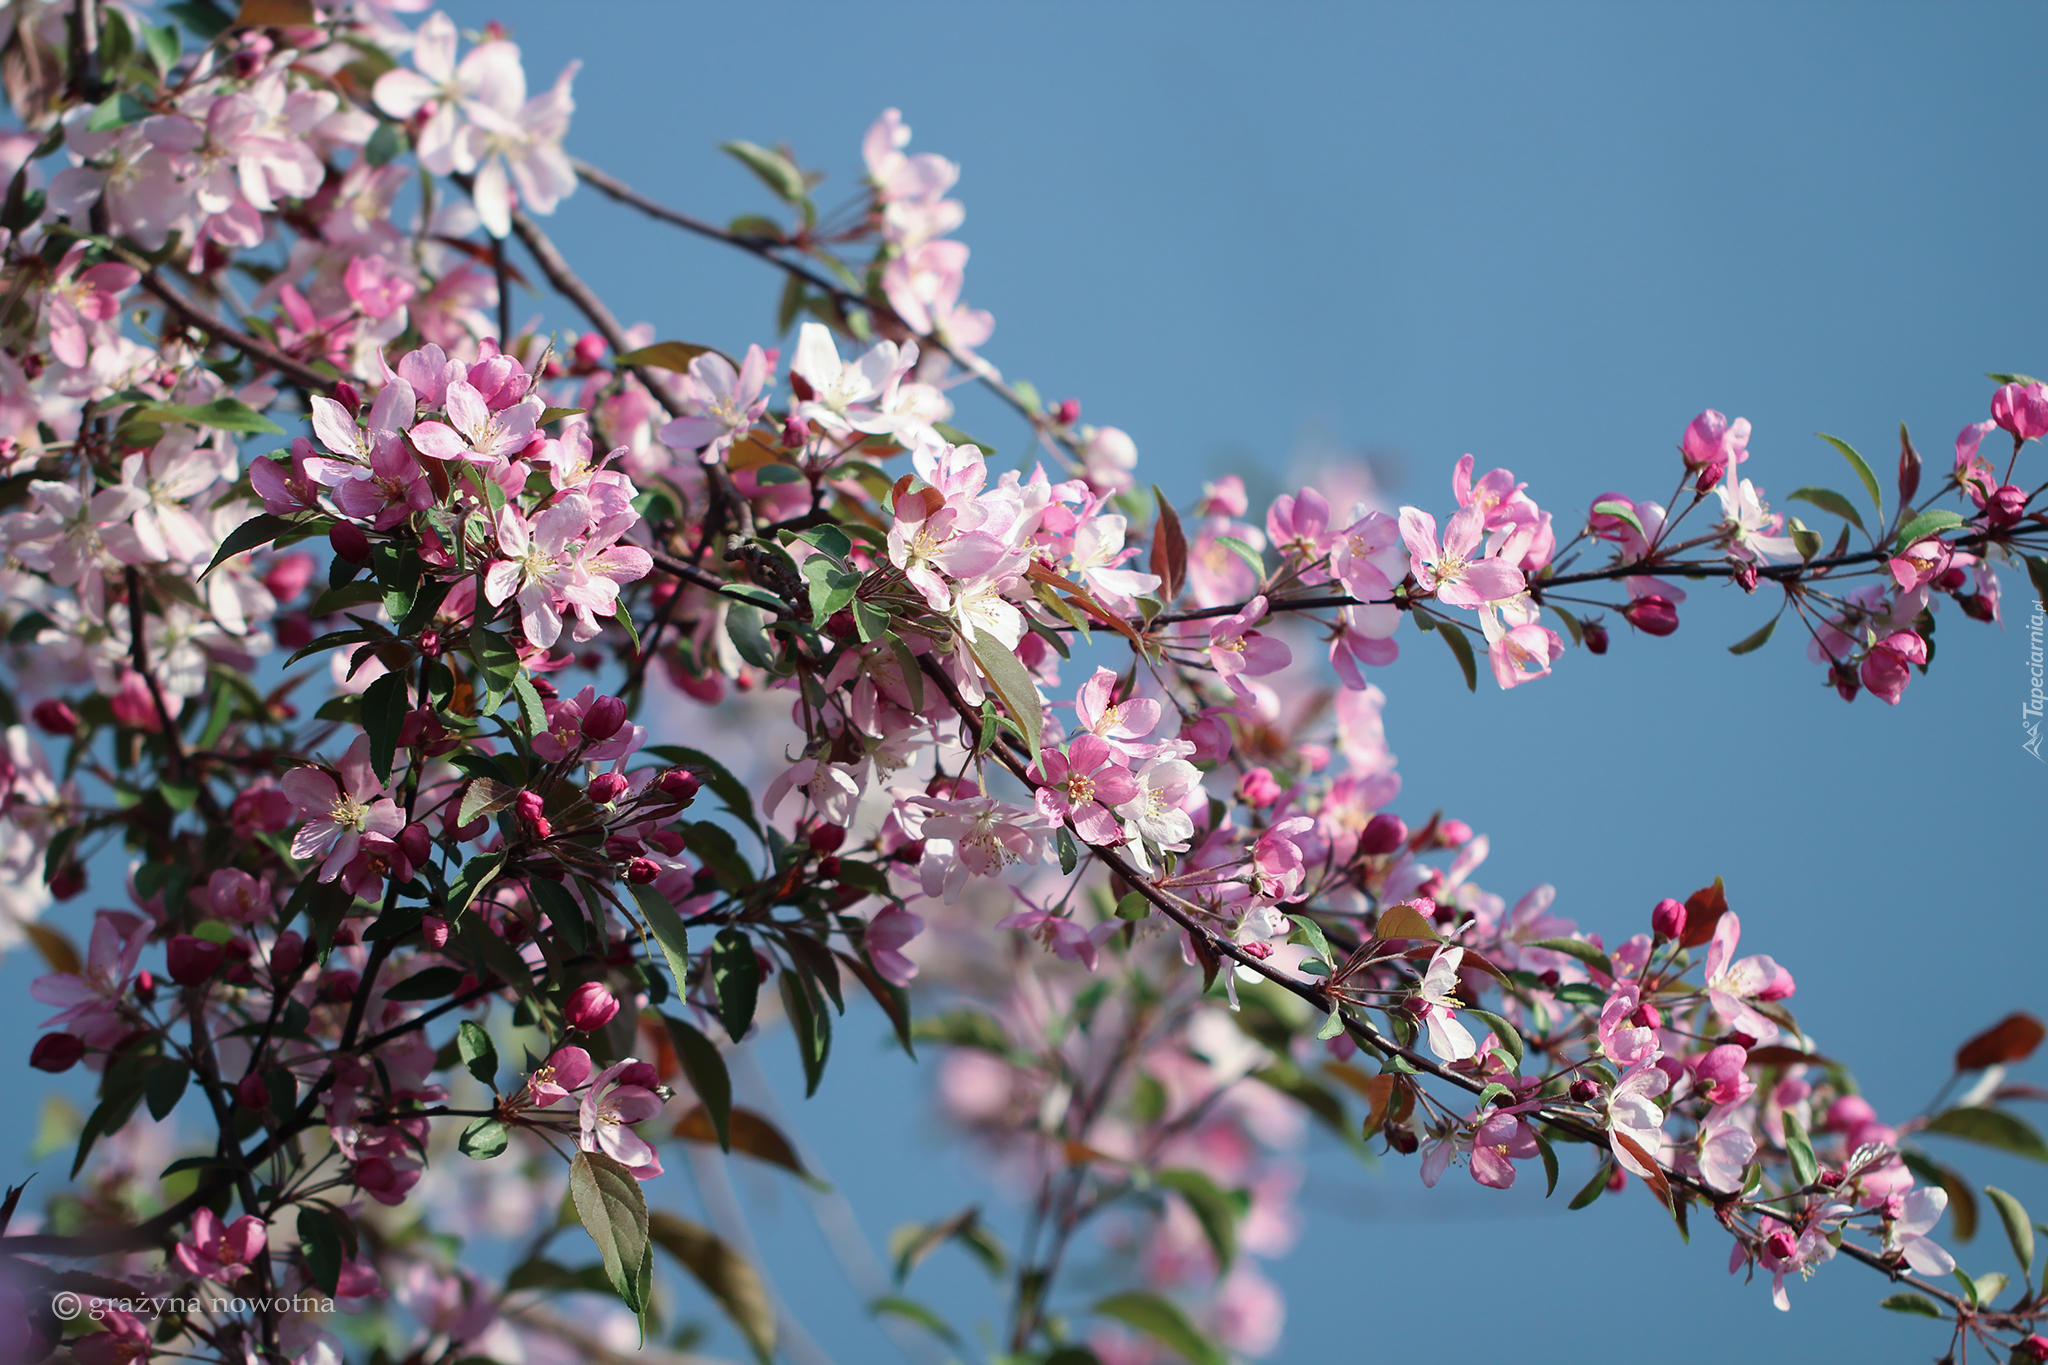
x,y
1547,235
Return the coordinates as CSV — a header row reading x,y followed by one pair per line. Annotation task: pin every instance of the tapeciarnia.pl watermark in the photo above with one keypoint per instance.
x,y
2030,712
68,1305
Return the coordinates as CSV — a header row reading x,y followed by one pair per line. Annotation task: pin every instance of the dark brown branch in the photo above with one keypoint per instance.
x,y
296,371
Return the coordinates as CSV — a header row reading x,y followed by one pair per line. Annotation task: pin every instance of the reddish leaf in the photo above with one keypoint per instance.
x,y
751,1133
1703,910
1655,1180
2011,1039
1169,549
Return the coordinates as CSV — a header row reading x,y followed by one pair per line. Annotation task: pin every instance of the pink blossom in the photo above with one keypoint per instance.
x,y
1451,571
2021,409
718,402
975,837
341,815
223,1253
1888,667
1236,649
77,300
1632,1113
1082,784
1122,723
887,932
1277,859
91,1001
1731,985
1712,439
1062,936
1726,1147
1917,1215
1501,1140
622,1094
1449,1039
565,1070
235,896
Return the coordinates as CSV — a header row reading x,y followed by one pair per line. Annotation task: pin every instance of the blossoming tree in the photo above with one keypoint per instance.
x,y
379,644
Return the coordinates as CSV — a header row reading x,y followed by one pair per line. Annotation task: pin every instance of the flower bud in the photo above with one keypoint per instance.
x,y
796,432
55,717
346,395
532,811
826,838
590,1007
349,542
828,866
56,1052
145,988
1068,412
1745,575
286,954
339,987
2006,506
252,1093
666,840
606,788
416,843
1710,477
434,930
69,881
1401,1138
641,871
430,644
1617,1181
605,718
193,961
840,625
1667,920
1259,788
1383,834
1976,607
1596,636
1454,833
1781,1245
677,784
1652,615
589,350
1585,1090
2035,1346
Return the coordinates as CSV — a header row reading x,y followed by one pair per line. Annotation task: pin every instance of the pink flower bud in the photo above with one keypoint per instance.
x,y
349,542
796,432
1781,1245
1780,986
1647,1016
56,1052
55,717
1454,833
1745,575
642,871
678,785
434,930
1652,615
1068,412
415,843
2035,1346
69,881
1596,636
338,987
1258,788
2006,506
252,1093
666,840
826,838
828,866
606,716
1667,920
346,395
1383,834
532,811
606,788
192,961
288,577
286,954
589,350
1710,477
1617,1181
145,988
1585,1090
590,1007
430,644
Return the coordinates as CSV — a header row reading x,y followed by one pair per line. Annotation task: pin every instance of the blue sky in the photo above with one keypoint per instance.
x,y
1544,235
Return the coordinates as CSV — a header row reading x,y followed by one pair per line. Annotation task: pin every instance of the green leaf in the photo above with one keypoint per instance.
x,y
165,1087
163,45
549,415
532,713
704,1068
1751,643
1862,469
320,1244
118,111
1070,855
962,1028
910,1244
725,1274
430,983
1544,1150
1987,1287
1163,1321
669,933
1799,1147
1245,552
1454,636
1828,500
385,145
1594,1188
484,1139
497,664
957,437
1133,905
257,531
1215,1210
1503,1031
478,1052
1012,683
747,627
714,844
1332,1026
1912,1303
614,1213
1584,952
895,1305
776,171
812,1026
2019,1228
1309,932
736,977
222,414
1621,511
385,705
1990,1128
2037,569
1926,524
667,355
